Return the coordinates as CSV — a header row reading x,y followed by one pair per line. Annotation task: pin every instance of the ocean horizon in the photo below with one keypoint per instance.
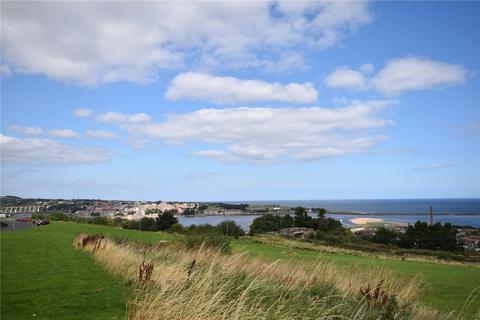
x,y
470,206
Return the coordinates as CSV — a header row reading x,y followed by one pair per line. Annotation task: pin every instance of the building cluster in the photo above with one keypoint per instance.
x,y
469,239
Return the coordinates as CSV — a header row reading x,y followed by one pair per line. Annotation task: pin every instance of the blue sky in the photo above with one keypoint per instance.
x,y
241,101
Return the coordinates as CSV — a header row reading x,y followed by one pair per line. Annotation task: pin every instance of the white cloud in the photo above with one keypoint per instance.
x,y
434,166
414,73
29,131
64,133
102,134
44,152
91,43
265,134
83,112
347,78
117,117
205,87
399,75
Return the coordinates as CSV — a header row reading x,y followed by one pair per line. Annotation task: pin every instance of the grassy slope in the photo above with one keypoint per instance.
x,y
43,274
447,286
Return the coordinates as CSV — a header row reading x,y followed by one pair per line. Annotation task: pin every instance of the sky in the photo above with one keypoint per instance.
x,y
231,101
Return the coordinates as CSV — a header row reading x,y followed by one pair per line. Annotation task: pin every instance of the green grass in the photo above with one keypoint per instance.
x,y
42,274
447,287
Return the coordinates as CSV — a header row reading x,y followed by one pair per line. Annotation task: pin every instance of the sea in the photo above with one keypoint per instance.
x,y
465,212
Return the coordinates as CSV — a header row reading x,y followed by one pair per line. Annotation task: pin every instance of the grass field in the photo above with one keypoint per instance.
x,y
446,287
43,274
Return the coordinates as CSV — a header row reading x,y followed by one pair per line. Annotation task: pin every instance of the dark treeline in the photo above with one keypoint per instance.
x,y
421,236
301,219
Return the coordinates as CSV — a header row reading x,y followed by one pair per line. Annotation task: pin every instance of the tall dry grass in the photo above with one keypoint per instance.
x,y
206,284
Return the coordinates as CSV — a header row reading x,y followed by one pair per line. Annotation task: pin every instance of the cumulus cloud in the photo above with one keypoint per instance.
x,y
266,134
44,152
230,90
64,133
399,76
117,117
347,78
83,112
29,131
91,43
432,167
102,134
414,73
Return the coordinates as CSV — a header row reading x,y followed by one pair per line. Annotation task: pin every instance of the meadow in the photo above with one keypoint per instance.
x,y
44,275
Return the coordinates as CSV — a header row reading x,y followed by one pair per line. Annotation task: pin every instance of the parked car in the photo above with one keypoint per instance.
x,y
42,222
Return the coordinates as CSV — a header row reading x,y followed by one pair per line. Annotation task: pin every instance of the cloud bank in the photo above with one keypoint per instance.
x,y
91,43
45,152
400,75
230,90
267,134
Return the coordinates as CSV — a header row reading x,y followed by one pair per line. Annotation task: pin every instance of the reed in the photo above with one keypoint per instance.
x,y
207,284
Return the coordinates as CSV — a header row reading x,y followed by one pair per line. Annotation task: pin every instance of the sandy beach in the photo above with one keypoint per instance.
x,y
361,221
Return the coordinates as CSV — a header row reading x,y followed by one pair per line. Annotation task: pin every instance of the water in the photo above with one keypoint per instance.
x,y
455,211
394,206
246,221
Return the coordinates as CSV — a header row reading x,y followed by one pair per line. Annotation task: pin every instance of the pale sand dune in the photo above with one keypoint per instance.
x,y
365,220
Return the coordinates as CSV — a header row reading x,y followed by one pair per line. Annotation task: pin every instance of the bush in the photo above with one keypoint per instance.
x,y
176,228
271,223
148,224
38,216
58,216
117,221
385,236
230,228
214,241
166,220
99,220
202,229
130,224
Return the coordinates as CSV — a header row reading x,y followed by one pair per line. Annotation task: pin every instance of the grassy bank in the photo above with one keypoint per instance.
x,y
43,274
444,287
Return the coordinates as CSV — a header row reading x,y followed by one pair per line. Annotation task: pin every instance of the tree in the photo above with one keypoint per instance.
x,y
176,228
58,215
321,213
230,228
431,237
166,220
385,236
148,224
302,219
265,223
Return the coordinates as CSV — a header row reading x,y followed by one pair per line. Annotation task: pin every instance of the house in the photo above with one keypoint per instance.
x,y
298,233
471,244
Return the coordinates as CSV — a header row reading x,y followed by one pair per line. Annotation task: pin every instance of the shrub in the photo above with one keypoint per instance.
x,y
176,228
148,224
117,221
130,224
221,243
58,216
166,220
38,216
99,220
230,228
202,229
385,236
